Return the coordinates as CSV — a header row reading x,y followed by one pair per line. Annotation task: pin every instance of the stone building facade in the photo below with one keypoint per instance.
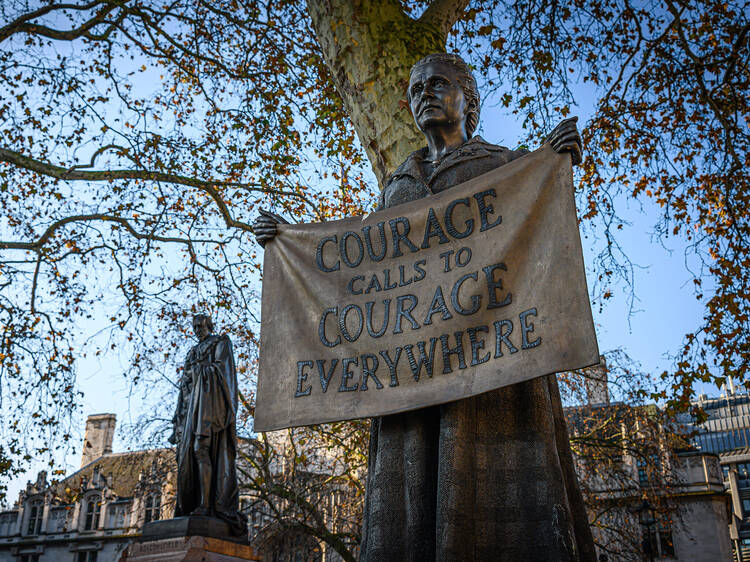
x,y
274,523
674,507
91,515
694,529
726,433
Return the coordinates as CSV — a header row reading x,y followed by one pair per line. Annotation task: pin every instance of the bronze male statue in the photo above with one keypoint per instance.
x,y
204,430
488,477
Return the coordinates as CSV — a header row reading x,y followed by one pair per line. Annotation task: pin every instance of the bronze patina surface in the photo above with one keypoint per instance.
x,y
489,477
469,300
204,430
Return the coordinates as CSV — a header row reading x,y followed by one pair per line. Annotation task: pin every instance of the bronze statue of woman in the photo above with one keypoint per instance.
x,y
488,477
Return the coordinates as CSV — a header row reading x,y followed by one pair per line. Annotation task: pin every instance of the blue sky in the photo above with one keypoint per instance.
x,y
664,310
664,306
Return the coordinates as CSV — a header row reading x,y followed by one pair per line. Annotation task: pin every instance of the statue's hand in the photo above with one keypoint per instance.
x,y
264,226
565,138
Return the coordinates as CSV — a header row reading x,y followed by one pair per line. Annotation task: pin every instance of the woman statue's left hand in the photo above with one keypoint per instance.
x,y
565,138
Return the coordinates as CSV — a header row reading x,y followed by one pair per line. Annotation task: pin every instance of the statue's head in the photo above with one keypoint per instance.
x,y
203,326
445,81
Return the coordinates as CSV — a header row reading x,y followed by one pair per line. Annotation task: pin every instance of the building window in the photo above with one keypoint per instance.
x,y
657,537
6,523
153,507
29,558
666,545
93,510
725,471
86,556
35,518
642,471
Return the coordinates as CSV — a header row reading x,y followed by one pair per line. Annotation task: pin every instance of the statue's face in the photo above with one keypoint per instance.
x,y
201,328
437,99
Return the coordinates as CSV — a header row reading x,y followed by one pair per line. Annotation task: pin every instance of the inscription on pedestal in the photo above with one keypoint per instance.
x,y
188,549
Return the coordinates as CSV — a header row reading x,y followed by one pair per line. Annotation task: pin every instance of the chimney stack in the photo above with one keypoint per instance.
x,y
97,441
597,389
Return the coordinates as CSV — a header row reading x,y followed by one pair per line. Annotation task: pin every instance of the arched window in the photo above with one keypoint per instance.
x,y
35,518
153,507
93,511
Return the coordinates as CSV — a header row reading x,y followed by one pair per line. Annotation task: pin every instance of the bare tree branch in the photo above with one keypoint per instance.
x,y
22,25
443,14
37,245
74,173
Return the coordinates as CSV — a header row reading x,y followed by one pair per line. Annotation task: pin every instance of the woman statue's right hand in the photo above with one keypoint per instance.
x,y
264,227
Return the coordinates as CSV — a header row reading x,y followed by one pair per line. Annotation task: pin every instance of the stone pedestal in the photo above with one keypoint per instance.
x,y
188,539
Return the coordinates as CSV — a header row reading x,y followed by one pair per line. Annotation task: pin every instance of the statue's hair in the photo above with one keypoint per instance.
x,y
205,317
465,80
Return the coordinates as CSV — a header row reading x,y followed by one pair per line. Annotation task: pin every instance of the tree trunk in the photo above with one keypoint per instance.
x,y
429,495
370,46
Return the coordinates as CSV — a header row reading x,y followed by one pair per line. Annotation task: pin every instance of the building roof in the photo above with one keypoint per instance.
x,y
124,468
741,454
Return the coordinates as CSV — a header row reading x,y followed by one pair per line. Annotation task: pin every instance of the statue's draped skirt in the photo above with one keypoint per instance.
x,y
485,478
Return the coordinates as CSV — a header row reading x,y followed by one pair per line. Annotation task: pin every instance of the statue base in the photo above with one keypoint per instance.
x,y
189,539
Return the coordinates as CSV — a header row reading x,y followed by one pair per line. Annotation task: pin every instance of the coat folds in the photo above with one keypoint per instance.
x,y
206,409
484,478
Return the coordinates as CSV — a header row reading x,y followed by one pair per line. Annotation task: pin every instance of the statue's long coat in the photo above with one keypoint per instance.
x,y
207,409
484,478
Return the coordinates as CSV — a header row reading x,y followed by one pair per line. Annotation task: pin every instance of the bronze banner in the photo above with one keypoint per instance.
x,y
459,293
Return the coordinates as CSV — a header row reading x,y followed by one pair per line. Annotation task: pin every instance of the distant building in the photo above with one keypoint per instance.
x,y
278,536
91,515
691,523
726,433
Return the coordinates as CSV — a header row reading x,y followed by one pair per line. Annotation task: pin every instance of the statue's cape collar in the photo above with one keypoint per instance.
x,y
209,341
475,147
